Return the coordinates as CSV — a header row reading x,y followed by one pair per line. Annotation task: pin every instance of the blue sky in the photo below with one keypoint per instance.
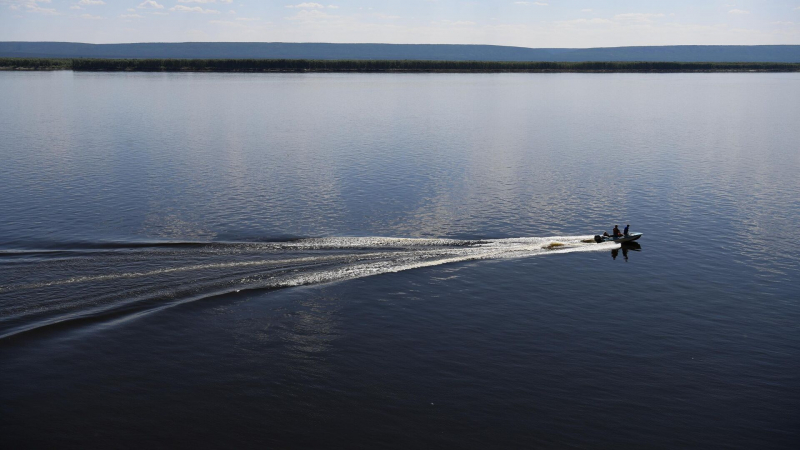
x,y
544,23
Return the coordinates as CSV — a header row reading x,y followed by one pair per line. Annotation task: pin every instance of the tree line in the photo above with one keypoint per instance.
x,y
312,65
35,63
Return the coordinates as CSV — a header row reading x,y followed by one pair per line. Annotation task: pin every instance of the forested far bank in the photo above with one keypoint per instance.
x,y
35,64
308,65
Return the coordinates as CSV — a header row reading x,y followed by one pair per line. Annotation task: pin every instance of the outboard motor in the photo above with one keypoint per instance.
x,y
598,239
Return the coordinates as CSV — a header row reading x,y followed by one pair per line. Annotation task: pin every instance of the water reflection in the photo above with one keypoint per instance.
x,y
635,246
303,333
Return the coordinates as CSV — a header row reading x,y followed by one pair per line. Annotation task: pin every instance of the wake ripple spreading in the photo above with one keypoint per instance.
x,y
38,289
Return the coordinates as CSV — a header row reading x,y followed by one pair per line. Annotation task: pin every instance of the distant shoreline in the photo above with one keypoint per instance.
x,y
378,66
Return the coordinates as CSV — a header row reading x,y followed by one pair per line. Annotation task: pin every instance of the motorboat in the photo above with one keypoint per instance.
x,y
630,237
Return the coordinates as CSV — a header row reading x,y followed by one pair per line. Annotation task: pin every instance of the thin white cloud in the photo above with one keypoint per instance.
x,y
595,21
193,9
312,5
627,19
532,3
131,16
307,5
456,23
30,6
34,8
313,15
204,1
91,17
91,2
150,4
639,17
385,16
228,23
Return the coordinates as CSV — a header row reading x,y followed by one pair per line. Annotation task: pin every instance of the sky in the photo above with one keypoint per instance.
x,y
544,23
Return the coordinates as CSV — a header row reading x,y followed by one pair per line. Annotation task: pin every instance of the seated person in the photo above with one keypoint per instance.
x,y
616,231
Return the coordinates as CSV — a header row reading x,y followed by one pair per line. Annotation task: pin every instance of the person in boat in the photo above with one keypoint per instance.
x,y
627,227
616,231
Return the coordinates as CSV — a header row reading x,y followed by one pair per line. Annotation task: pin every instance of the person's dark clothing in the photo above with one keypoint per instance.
x,y
617,232
626,230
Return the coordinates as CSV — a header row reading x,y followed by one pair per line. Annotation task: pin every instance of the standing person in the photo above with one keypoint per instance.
x,y
616,231
627,227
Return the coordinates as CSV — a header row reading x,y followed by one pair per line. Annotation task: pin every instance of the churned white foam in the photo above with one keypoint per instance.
x,y
407,254
452,252
386,254
85,286
369,242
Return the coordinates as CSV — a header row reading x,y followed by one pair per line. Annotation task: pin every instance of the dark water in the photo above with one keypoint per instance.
x,y
398,261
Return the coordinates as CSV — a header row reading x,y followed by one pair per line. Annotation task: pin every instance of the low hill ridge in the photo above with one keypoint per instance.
x,y
429,52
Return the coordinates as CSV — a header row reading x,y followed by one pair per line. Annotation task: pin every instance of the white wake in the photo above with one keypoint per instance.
x,y
56,289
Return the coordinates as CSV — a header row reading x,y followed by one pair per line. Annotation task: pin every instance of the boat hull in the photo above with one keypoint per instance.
x,y
620,240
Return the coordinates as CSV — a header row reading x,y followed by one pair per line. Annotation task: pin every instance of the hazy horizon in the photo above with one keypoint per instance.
x,y
395,43
541,24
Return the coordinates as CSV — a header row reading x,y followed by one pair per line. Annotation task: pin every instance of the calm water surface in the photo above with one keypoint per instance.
x,y
367,260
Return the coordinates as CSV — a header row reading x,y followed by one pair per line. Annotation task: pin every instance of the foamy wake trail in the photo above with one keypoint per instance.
x,y
47,290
